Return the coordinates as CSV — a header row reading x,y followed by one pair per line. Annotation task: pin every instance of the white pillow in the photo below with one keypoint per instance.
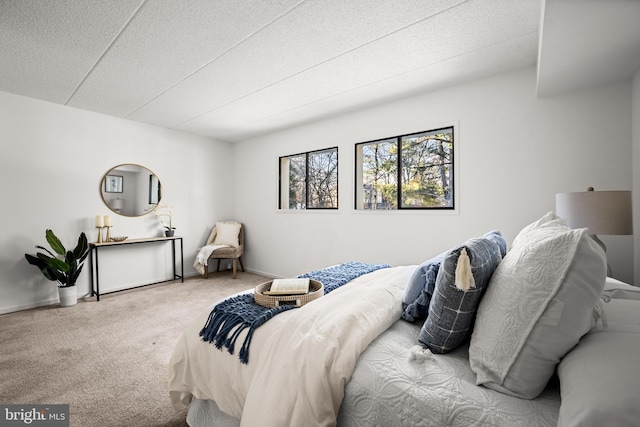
x,y
227,234
538,304
620,290
600,379
548,219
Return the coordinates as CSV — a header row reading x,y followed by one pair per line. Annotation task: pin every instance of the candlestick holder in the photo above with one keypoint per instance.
x,y
99,234
108,227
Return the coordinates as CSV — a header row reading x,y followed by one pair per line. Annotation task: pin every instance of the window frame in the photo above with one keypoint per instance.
x,y
307,192
358,173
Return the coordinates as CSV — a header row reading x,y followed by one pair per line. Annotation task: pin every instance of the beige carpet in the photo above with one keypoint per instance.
x,y
108,360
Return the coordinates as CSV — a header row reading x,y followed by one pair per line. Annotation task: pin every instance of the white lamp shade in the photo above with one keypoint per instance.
x,y
602,212
116,204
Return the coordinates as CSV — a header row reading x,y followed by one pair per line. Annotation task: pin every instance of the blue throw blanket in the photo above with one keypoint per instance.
x,y
233,315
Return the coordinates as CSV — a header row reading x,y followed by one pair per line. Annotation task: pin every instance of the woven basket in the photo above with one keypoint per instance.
x,y
316,290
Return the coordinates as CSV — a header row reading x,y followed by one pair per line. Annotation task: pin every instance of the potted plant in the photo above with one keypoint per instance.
x,y
164,213
63,267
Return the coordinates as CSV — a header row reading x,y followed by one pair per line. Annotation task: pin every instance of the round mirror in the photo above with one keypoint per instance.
x,y
131,190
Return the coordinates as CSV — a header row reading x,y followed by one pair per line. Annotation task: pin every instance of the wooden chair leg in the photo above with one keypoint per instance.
x,y
241,263
206,271
218,269
234,268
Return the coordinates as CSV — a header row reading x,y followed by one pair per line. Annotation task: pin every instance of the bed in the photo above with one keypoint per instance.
x,y
349,359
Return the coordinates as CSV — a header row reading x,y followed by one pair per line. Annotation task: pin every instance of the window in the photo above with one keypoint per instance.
x,y
406,172
309,180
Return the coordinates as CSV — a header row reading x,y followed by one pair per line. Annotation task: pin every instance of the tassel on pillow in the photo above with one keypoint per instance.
x,y
419,354
464,277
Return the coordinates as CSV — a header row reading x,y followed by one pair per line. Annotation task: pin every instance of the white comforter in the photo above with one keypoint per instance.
x,y
299,361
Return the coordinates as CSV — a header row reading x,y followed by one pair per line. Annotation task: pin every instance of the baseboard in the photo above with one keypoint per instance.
x,y
262,273
13,309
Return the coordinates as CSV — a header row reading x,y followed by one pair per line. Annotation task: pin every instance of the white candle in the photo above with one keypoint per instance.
x,y
107,221
99,221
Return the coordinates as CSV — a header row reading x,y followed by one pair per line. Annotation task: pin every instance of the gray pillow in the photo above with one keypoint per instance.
x,y
619,290
452,310
600,379
539,303
417,294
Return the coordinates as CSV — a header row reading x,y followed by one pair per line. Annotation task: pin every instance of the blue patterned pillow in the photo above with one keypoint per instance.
x,y
499,240
452,310
417,295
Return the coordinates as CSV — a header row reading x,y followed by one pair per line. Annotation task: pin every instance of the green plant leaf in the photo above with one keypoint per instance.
x,y
55,243
73,266
67,271
59,264
75,276
46,250
50,274
54,262
38,262
43,265
82,248
60,277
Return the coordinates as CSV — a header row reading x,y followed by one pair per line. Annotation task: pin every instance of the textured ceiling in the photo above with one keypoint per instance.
x,y
234,69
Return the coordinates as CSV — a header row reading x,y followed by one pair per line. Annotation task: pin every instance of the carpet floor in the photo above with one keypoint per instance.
x,y
108,360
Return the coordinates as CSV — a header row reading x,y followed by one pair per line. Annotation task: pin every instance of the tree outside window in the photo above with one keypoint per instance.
x,y
406,172
309,180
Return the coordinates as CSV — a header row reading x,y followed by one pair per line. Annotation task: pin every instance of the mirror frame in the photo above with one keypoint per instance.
x,y
154,186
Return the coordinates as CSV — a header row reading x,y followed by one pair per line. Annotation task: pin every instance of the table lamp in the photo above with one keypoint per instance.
x,y
116,204
602,212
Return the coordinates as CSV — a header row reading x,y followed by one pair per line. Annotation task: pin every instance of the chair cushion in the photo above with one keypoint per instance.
x,y
227,252
227,234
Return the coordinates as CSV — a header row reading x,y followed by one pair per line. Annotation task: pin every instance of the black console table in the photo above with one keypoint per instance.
x,y
94,264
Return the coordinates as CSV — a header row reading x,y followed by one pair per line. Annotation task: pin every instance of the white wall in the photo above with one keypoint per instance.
x,y
635,123
53,159
515,152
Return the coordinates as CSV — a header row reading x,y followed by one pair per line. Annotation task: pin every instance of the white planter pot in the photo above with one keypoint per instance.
x,y
68,296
